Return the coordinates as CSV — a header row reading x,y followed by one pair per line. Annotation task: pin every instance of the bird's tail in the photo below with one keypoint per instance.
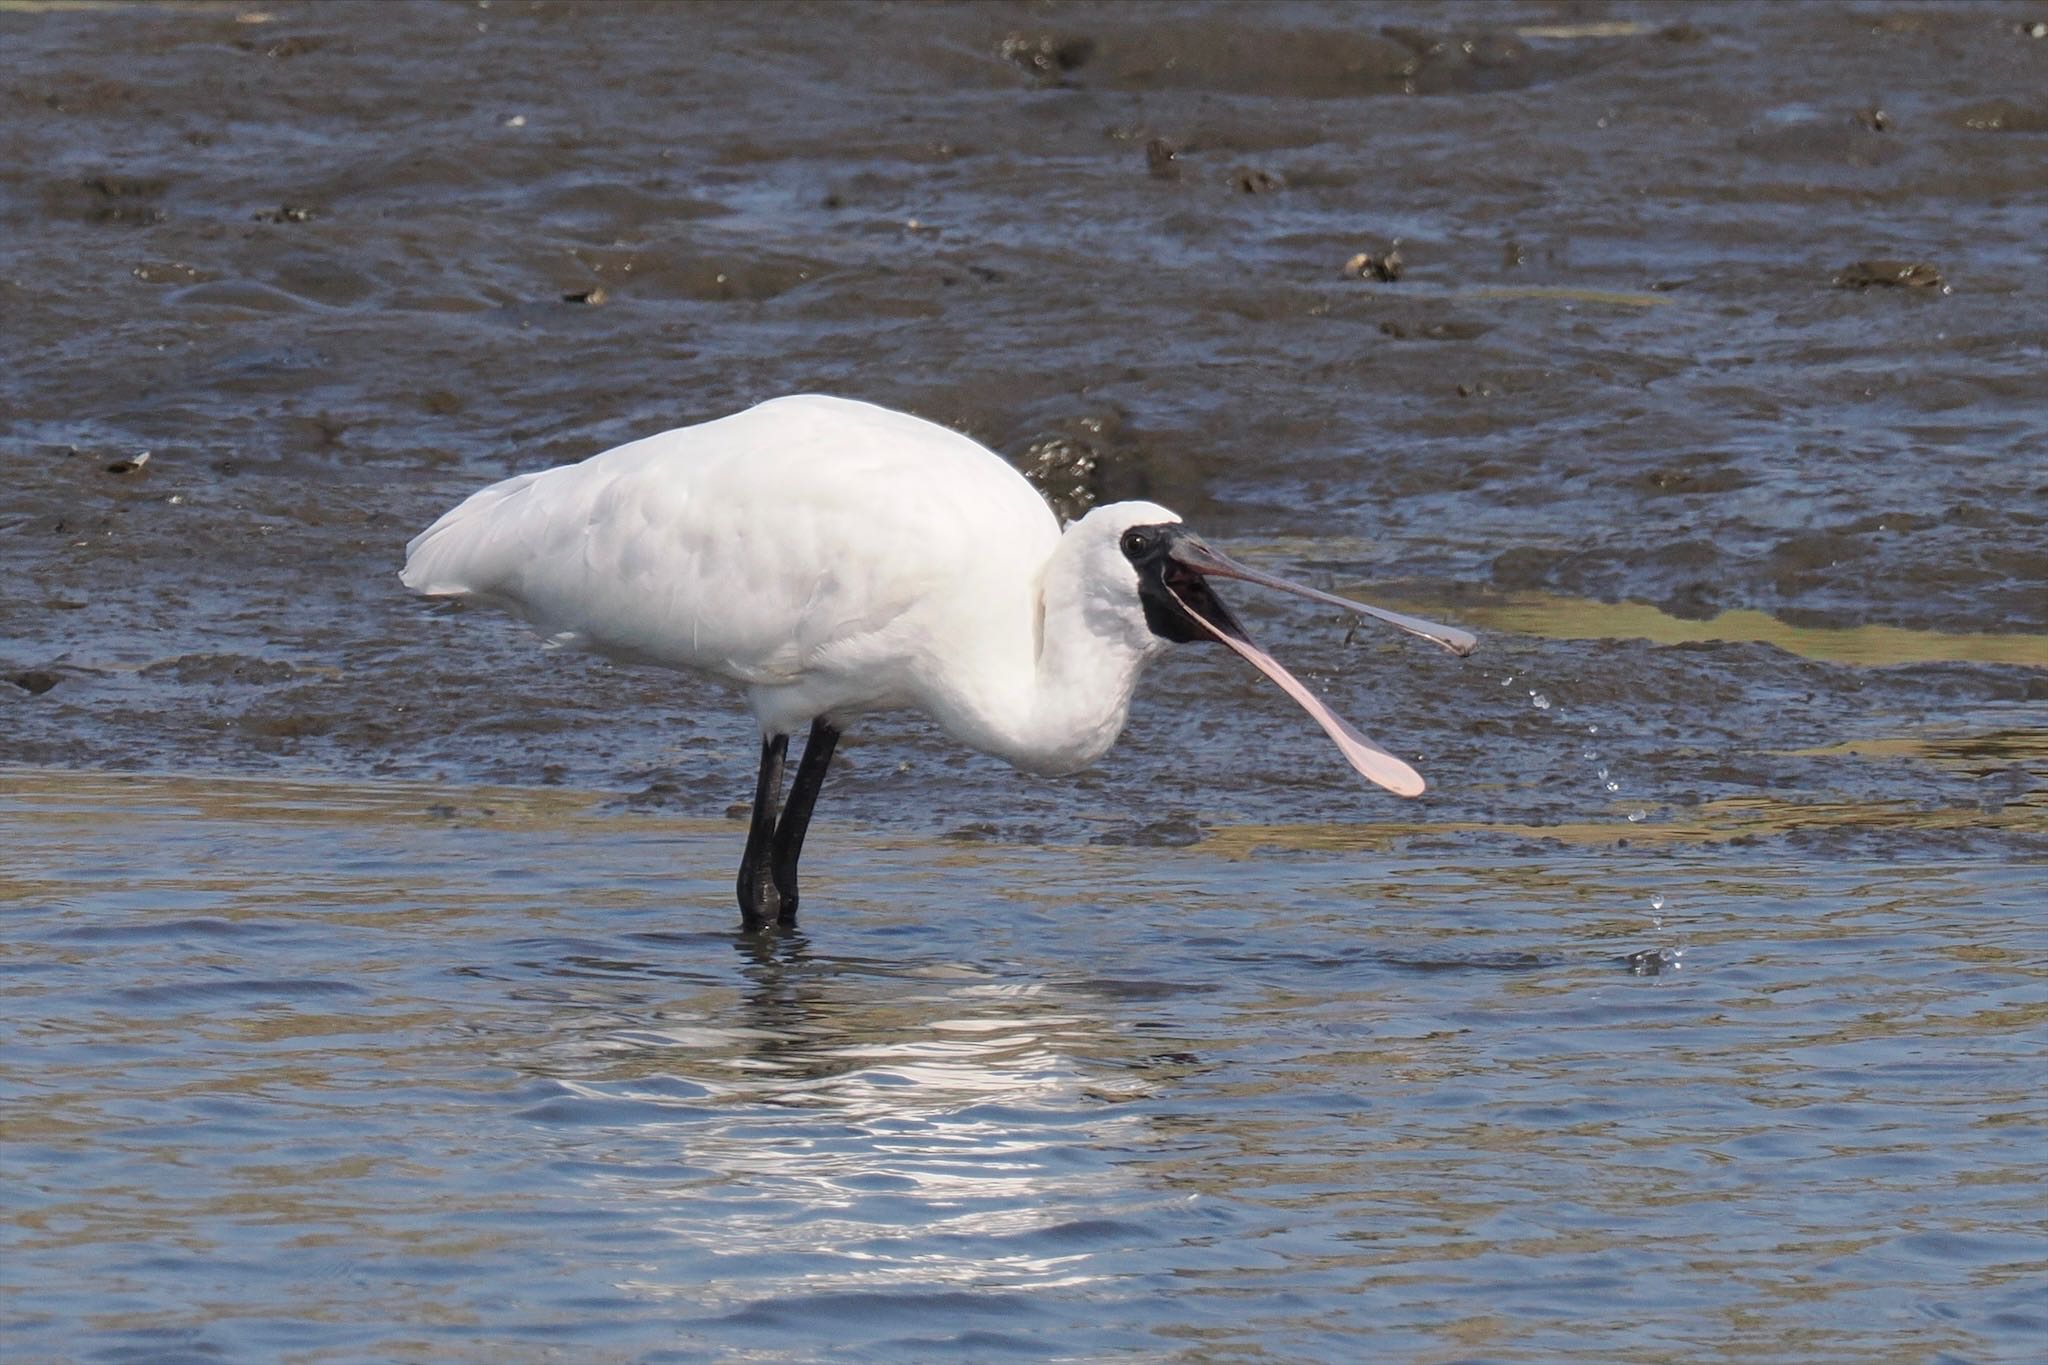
x,y
470,549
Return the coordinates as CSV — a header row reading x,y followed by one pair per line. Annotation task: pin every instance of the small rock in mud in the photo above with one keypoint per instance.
x,y
1160,159
1875,119
1385,266
593,296
1047,57
1084,460
1251,180
132,464
1063,471
34,681
285,213
1889,274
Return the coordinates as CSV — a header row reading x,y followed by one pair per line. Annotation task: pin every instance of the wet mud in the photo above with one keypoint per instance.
x,y
1461,305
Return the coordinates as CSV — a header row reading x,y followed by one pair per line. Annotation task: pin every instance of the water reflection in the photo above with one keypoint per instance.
x,y
838,1125
378,1084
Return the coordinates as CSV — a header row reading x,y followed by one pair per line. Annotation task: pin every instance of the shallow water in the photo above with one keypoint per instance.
x,y
370,988
321,1072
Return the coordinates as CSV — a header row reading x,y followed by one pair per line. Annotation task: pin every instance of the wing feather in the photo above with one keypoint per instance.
x,y
758,546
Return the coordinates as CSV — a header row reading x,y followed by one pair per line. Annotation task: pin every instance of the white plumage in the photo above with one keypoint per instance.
x,y
832,558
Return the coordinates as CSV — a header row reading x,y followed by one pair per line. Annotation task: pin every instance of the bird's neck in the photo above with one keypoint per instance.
x,y
1065,708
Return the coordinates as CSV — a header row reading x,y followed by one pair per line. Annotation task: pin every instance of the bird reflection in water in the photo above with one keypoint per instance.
x,y
830,1124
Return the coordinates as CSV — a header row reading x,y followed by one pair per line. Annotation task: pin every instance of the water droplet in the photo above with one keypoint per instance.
x,y
1614,786
1590,755
1602,774
1654,961
1539,701
1592,729
1508,681
1657,901
1637,816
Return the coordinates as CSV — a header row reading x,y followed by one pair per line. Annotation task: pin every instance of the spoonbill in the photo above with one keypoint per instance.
x,y
832,558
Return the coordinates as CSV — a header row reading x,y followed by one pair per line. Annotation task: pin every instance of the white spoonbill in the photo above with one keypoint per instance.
x,y
832,558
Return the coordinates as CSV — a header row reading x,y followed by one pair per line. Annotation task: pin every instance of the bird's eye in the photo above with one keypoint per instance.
x,y
1138,541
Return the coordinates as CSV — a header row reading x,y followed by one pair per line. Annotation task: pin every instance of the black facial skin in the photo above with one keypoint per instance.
x,y
1164,583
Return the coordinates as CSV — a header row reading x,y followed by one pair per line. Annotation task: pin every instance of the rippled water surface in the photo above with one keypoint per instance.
x,y
369,988
316,1072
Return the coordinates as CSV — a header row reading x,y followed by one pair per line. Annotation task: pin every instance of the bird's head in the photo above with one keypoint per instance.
x,y
1155,576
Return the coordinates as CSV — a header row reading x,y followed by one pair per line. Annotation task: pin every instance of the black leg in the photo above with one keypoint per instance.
x,y
758,899
796,815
